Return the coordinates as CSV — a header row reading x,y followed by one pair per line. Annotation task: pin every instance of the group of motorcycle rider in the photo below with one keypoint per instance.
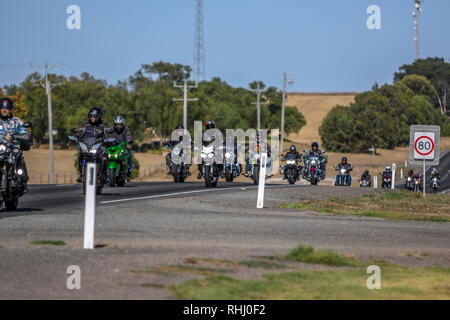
x,y
95,126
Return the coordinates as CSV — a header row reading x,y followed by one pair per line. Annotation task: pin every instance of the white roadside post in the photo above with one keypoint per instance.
x,y
401,174
375,181
89,205
393,176
262,181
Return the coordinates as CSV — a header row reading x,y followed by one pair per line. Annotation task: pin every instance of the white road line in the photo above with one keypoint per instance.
x,y
190,192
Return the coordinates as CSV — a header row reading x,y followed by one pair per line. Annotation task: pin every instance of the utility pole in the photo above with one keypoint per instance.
x,y
185,100
199,44
258,92
416,14
283,103
48,90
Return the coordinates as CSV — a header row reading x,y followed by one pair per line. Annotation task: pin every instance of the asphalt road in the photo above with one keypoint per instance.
x,y
151,224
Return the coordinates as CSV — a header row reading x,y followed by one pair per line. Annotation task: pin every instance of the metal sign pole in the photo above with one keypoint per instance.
x,y
424,179
89,205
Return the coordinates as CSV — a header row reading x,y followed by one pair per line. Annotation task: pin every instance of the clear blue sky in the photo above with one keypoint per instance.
x,y
324,42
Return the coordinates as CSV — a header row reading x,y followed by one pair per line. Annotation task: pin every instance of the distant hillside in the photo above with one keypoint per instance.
x,y
315,106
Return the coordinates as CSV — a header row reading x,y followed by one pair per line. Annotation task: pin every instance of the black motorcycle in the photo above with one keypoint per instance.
x,y
343,176
291,169
180,171
93,150
312,171
12,175
386,180
210,167
231,168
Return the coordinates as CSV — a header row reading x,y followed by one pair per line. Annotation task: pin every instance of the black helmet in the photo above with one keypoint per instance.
x,y
180,126
314,145
366,172
292,149
344,160
97,113
210,124
7,103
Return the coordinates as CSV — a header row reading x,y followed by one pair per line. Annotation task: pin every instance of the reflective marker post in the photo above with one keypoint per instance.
x,y
262,181
375,182
393,176
89,205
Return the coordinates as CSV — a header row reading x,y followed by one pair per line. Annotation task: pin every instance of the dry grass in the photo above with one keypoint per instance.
x,y
314,107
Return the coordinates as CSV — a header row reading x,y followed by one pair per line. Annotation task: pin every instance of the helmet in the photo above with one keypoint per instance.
x,y
119,124
180,126
411,171
315,145
210,124
292,149
366,172
97,113
180,129
7,103
344,160
388,168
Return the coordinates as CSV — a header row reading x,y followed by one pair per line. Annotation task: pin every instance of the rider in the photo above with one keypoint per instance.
x,y
297,155
95,127
255,147
435,174
314,152
172,143
348,167
409,175
20,134
366,176
209,125
123,133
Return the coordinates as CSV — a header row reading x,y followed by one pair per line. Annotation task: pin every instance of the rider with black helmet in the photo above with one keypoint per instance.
x,y
344,165
123,133
94,126
210,124
314,152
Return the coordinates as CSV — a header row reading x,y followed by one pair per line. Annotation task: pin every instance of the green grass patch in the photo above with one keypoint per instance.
x,y
396,283
49,242
395,204
325,257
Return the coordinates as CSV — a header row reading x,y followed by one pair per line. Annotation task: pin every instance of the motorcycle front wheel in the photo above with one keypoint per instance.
x,y
207,176
112,177
256,175
12,205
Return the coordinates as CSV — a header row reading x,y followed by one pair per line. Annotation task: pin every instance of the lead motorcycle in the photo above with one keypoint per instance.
x,y
92,149
312,171
12,184
210,166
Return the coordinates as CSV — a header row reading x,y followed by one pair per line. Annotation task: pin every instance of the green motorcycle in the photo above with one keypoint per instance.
x,y
117,167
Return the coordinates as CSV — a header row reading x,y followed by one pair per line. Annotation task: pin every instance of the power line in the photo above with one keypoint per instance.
x,y
185,99
48,90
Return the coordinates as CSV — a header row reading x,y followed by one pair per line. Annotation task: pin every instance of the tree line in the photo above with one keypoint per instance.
x,y
145,99
382,117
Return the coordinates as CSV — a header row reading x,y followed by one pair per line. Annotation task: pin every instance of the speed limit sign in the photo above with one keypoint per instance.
x,y
424,145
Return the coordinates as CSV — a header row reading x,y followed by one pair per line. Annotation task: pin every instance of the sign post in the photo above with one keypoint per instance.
x,y
89,205
262,181
393,176
424,147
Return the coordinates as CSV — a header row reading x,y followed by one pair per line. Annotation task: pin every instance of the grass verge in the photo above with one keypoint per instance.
x,y
396,204
325,257
49,242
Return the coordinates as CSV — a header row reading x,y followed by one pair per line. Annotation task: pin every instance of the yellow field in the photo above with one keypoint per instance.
x,y
315,106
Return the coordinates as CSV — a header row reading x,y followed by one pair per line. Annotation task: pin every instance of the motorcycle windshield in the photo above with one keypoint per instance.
x,y
89,141
290,156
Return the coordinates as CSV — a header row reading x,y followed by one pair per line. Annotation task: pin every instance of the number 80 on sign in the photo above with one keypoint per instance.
x,y
424,145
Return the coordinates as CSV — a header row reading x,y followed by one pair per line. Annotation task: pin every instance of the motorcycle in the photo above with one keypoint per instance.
x,y
312,171
92,150
12,185
386,181
291,169
435,184
117,167
417,184
210,167
409,184
255,162
365,183
179,171
231,168
342,176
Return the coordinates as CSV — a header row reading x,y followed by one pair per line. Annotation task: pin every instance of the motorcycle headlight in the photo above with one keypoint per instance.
x,y
257,156
210,155
409,179
227,155
176,151
116,155
313,162
93,151
2,147
203,156
291,162
342,171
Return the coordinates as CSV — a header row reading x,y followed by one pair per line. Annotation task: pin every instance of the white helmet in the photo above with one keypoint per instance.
x,y
119,120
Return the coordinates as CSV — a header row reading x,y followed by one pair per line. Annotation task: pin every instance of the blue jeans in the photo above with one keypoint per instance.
x,y
130,161
349,179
